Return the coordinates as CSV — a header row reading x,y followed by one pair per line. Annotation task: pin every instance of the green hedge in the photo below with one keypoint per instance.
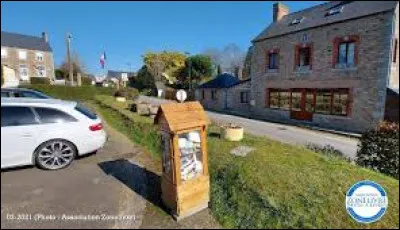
x,y
82,93
40,81
128,93
140,130
379,149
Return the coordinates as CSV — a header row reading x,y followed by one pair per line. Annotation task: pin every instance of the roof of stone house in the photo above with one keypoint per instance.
x,y
317,16
24,42
116,74
222,81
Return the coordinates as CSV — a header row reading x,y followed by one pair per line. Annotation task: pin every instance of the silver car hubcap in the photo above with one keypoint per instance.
x,y
55,155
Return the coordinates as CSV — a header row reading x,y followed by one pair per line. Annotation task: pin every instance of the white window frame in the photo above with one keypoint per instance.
x,y
4,52
21,56
41,72
25,67
39,56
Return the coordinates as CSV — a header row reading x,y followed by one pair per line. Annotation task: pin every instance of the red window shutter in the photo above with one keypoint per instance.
x,y
335,51
311,54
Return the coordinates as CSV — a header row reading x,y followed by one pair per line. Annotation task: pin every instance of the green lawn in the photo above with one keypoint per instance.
x,y
276,186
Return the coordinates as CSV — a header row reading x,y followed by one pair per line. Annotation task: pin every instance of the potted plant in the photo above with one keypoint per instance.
x,y
232,132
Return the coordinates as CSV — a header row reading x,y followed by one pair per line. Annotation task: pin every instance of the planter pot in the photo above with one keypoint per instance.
x,y
120,99
232,133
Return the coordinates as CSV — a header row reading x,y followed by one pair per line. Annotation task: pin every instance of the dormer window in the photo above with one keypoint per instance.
x,y
335,10
297,21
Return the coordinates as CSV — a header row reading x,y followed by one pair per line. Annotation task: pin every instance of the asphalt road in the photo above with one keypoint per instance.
x,y
280,132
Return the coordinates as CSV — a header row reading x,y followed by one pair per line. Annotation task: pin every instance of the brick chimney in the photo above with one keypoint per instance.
x,y
280,10
45,37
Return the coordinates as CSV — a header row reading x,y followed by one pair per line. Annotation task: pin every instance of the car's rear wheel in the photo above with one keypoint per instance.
x,y
55,154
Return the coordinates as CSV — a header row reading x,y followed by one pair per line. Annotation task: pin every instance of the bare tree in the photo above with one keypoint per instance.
x,y
78,65
230,58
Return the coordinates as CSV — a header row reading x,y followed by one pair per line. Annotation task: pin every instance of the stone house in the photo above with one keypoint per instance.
x,y
330,65
29,56
225,93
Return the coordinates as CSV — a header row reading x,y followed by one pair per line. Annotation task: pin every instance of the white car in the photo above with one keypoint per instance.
x,y
48,133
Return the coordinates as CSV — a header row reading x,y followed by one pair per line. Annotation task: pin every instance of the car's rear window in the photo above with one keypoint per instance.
x,y
85,111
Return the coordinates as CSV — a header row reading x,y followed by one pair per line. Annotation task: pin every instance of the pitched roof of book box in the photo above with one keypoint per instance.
x,y
181,116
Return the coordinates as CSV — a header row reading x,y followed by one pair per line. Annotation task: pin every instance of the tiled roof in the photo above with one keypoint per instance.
x,y
24,42
317,16
224,80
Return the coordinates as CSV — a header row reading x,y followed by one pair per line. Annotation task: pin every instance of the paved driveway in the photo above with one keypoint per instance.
x,y
284,133
45,199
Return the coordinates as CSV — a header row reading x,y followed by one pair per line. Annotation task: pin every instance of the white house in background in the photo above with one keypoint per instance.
x,y
29,56
10,79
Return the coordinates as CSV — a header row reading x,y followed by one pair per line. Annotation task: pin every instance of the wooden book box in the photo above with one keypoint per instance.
x,y
185,180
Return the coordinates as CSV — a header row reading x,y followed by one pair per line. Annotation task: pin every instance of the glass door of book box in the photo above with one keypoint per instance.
x,y
191,155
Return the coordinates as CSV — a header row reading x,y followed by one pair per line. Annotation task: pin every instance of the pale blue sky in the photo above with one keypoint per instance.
x,y
129,29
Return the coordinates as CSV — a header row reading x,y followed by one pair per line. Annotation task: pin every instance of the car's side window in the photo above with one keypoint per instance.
x,y
47,116
5,94
17,116
31,95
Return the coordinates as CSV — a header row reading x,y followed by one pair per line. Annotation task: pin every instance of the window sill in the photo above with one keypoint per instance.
x,y
340,67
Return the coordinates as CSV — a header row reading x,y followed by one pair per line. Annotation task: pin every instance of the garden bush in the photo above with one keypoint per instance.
x,y
128,93
86,80
40,81
82,93
379,149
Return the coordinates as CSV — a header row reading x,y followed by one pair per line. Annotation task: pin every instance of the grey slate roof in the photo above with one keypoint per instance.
x,y
24,42
316,16
117,74
222,81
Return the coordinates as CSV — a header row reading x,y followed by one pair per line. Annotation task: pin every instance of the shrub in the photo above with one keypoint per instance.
x,y
86,80
379,149
40,81
128,93
327,150
83,93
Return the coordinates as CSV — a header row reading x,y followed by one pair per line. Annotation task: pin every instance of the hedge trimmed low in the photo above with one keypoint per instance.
x,y
379,149
40,81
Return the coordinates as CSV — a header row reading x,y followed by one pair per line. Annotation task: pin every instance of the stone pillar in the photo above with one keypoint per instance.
x,y
79,79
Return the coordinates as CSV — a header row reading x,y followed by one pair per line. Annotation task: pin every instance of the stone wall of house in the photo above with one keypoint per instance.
x,y
394,77
217,104
367,81
234,98
12,61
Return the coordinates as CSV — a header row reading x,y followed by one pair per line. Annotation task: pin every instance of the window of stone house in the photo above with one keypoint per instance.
x,y
214,95
244,97
284,100
323,101
4,52
274,99
273,60
296,101
335,10
346,54
340,102
304,57
310,96
297,21
39,56
22,55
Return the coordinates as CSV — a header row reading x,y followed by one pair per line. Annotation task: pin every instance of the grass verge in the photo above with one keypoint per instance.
x,y
276,186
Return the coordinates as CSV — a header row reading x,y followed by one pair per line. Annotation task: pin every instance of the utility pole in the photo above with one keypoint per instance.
x,y
71,70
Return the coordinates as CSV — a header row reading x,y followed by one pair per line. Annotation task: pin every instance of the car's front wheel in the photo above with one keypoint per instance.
x,y
55,154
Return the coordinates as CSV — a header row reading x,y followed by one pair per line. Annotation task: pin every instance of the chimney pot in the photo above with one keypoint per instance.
x,y
280,10
45,37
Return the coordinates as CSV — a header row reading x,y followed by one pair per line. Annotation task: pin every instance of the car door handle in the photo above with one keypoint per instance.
x,y
27,135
